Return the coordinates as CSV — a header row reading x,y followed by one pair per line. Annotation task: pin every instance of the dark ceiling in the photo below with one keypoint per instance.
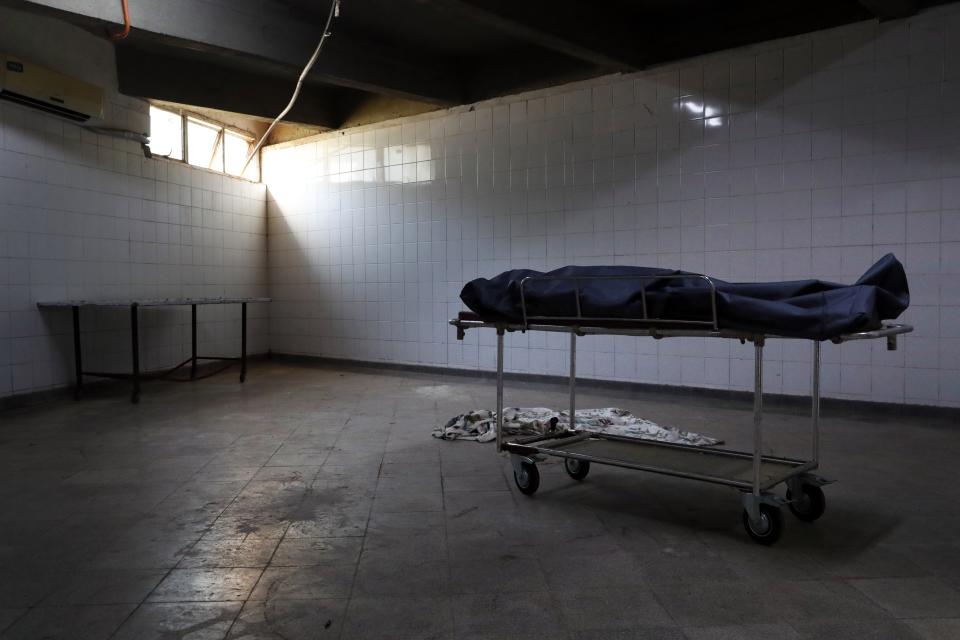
x,y
395,57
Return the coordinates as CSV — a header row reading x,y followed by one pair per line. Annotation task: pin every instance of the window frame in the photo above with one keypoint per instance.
x,y
223,129
183,137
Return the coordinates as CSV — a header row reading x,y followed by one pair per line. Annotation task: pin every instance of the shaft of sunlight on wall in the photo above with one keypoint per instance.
x,y
85,216
805,157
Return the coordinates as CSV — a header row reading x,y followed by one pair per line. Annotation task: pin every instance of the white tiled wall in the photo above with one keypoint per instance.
x,y
805,157
86,216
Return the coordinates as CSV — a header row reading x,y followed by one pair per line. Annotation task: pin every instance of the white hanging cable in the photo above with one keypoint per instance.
x,y
334,11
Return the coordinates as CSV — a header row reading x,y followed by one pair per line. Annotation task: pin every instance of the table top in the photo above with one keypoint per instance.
x,y
148,302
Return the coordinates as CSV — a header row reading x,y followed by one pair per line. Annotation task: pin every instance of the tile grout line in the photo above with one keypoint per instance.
x,y
280,541
276,548
446,533
170,571
363,542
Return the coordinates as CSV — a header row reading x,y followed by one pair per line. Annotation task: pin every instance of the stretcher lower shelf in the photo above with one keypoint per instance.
x,y
720,466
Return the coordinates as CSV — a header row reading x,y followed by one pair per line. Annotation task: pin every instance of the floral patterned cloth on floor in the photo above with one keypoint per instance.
x,y
481,425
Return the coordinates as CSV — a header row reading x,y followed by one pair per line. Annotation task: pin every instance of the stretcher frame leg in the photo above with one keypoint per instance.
x,y
796,483
573,379
815,402
499,390
752,501
757,412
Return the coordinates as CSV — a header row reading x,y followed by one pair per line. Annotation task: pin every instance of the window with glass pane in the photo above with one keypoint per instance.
x,y
166,133
204,144
235,151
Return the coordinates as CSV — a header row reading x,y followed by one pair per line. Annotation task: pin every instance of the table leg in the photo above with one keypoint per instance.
x,y
193,343
77,355
135,338
243,342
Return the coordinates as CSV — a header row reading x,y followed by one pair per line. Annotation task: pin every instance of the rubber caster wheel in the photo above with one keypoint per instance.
x,y
810,506
768,529
527,479
576,469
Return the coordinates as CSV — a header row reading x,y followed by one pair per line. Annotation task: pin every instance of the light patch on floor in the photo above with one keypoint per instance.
x,y
440,391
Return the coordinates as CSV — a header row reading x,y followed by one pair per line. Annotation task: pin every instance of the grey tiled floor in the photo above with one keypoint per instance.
x,y
313,503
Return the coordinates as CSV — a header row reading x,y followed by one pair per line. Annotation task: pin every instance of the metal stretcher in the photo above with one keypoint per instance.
x,y
136,375
754,474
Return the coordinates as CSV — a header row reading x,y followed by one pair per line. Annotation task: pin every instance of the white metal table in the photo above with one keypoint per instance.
x,y
134,305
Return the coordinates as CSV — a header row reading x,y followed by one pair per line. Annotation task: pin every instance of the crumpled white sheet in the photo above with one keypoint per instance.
x,y
481,425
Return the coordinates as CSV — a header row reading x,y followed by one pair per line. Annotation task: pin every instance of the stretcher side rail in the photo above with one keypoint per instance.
x,y
887,330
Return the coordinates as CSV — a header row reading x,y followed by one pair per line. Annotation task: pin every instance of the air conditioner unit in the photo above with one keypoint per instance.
x,y
49,91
